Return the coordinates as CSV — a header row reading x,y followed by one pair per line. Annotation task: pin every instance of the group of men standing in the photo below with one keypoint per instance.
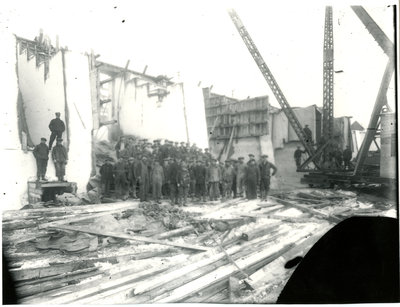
x,y
59,153
178,172
335,160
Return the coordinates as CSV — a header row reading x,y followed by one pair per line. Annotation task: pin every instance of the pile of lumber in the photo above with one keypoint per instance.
x,y
228,250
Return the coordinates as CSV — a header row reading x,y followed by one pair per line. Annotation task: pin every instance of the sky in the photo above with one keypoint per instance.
x,y
195,41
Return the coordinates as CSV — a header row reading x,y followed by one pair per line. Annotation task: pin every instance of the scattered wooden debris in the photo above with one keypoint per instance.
x,y
150,253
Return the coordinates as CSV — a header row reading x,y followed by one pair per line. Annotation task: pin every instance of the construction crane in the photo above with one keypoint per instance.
x,y
294,122
327,127
328,93
381,100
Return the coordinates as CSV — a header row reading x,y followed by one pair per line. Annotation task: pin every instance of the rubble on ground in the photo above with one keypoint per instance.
x,y
131,252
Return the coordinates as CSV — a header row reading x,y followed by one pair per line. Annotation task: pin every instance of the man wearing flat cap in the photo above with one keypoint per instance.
x,y
60,159
240,174
265,175
57,127
41,154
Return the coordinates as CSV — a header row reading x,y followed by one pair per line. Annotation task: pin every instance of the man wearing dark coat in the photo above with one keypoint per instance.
x,y
57,127
121,182
347,155
131,175
265,175
107,176
157,179
213,178
143,177
199,173
60,159
308,134
41,154
252,179
174,175
297,156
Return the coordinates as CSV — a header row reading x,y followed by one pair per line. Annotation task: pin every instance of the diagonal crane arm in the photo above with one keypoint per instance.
x,y
388,47
292,118
379,36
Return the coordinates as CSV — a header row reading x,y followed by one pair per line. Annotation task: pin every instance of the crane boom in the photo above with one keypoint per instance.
x,y
294,122
327,128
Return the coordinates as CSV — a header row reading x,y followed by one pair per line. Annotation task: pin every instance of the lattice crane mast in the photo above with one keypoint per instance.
x,y
294,122
327,127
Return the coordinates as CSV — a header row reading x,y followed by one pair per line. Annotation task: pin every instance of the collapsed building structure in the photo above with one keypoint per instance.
x,y
97,101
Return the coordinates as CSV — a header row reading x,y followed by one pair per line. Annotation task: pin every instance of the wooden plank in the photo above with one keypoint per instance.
x,y
40,286
84,217
221,273
24,274
52,278
160,285
27,213
133,238
175,232
115,272
328,217
106,285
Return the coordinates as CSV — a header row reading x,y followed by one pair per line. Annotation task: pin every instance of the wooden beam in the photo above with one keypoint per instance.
x,y
328,217
221,273
105,285
85,217
14,214
175,232
133,238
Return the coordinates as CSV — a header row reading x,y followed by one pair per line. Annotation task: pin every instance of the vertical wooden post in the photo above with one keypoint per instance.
x,y
184,113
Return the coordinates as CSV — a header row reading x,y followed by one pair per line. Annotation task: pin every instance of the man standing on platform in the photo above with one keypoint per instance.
x,y
41,154
57,127
265,174
60,159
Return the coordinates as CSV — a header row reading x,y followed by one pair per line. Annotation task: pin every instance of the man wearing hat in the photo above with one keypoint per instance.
x,y
297,156
308,134
227,179
240,173
165,187
107,176
157,179
213,178
252,178
60,159
131,174
57,127
265,174
199,173
121,182
41,154
174,176
143,177
347,155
